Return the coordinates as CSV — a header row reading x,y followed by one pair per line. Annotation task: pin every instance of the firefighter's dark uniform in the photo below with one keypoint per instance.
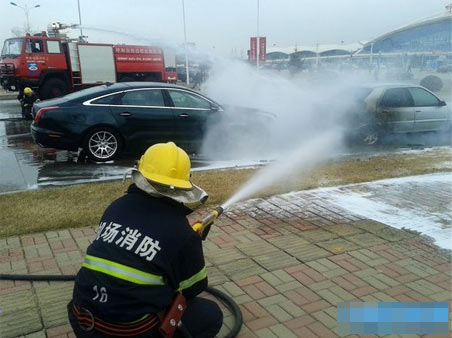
x,y
144,251
26,102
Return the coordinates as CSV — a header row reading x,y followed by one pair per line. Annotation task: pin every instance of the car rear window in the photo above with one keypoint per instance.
x,y
110,99
397,97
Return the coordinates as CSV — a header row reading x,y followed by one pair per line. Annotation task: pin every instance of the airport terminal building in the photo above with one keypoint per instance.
x,y
429,36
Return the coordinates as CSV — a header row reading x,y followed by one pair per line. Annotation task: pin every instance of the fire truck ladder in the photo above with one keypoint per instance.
x,y
75,64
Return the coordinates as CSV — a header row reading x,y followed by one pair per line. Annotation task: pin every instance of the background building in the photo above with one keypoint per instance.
x,y
427,42
285,54
427,35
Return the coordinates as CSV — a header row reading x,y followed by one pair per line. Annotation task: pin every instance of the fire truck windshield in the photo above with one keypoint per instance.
x,y
12,47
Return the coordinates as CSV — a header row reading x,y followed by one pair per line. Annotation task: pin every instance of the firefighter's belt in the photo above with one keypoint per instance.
x,y
88,322
121,271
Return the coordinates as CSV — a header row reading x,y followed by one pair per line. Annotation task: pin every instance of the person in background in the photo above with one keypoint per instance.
x,y
197,80
27,99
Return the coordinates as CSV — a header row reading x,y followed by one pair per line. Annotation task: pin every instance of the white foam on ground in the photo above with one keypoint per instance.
x,y
437,225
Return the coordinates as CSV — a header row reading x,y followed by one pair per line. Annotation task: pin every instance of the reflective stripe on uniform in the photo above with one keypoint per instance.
x,y
193,279
121,271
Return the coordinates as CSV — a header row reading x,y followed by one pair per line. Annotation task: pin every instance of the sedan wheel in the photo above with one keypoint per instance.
x,y
371,138
102,145
369,135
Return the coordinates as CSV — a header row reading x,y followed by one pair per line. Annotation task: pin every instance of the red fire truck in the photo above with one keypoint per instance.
x,y
54,66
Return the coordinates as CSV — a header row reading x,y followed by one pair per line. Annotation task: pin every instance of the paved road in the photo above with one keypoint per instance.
x,y
287,260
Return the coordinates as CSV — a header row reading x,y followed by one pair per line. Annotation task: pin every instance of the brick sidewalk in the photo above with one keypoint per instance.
x,y
287,260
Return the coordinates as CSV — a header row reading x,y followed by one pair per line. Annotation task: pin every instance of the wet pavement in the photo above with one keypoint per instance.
x,y
24,165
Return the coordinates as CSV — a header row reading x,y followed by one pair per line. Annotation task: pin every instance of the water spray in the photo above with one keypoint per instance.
x,y
305,156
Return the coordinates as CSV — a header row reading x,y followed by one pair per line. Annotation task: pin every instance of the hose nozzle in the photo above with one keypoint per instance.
x,y
204,226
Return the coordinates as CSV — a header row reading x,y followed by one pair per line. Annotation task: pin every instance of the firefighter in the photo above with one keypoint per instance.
x,y
27,98
144,256
198,79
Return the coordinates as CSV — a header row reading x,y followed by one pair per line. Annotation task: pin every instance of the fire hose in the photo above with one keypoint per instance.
x,y
202,228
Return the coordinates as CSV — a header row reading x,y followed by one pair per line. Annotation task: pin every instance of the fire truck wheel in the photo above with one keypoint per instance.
x,y
53,88
102,144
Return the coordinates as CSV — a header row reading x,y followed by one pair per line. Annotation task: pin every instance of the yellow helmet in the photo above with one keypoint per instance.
x,y
167,164
27,90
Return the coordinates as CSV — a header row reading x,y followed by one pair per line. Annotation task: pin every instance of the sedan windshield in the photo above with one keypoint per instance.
x,y
12,47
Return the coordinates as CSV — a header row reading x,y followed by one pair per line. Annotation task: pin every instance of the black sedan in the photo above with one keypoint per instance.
x,y
109,119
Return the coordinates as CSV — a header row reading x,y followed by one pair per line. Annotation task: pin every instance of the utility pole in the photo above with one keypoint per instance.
x,y
257,39
185,45
317,56
80,20
27,16
26,10
371,60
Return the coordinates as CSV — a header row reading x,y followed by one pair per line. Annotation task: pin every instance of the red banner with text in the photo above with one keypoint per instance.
x,y
262,48
253,49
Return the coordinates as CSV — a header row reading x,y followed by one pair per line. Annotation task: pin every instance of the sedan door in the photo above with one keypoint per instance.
x,y
430,113
143,118
192,116
396,111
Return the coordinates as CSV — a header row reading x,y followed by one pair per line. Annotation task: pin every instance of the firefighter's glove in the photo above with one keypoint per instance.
x,y
197,227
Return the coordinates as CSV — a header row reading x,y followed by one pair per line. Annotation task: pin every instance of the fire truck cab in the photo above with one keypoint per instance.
x,y
54,66
35,61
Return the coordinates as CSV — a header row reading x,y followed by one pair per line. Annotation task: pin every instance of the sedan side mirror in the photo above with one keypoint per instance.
x,y
442,103
214,108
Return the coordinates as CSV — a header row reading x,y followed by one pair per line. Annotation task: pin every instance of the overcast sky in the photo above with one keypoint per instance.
x,y
221,26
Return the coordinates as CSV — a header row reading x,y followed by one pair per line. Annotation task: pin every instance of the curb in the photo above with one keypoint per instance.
x,y
8,96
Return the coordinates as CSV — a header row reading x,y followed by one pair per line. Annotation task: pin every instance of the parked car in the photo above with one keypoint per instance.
x,y
383,109
109,119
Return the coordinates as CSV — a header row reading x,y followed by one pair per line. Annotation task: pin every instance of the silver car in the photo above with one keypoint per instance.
x,y
399,108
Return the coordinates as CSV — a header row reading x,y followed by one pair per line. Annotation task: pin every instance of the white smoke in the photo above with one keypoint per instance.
x,y
308,124
301,107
